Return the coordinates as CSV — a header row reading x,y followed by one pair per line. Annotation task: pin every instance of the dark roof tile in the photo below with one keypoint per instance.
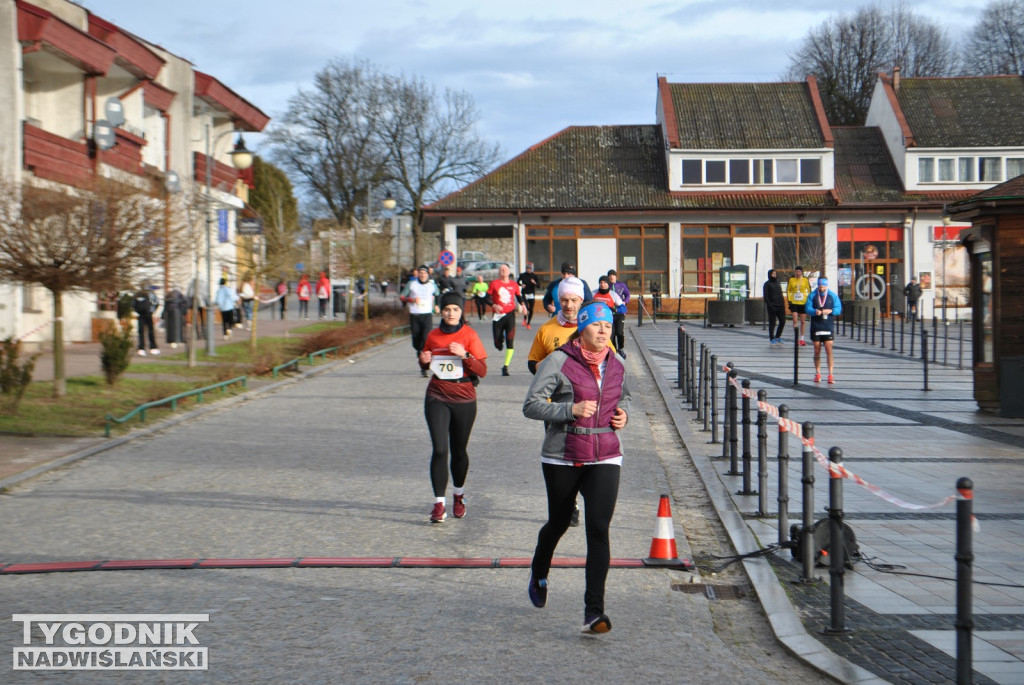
x,y
964,112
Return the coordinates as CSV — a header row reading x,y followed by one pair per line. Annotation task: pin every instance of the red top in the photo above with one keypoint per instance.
x,y
323,288
437,343
606,298
303,288
503,295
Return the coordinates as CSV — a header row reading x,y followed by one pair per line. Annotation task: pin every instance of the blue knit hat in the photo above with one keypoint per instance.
x,y
592,313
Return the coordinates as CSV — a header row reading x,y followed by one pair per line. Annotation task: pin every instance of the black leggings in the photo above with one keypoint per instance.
x,y
619,331
504,330
449,423
481,306
419,326
773,316
530,301
599,485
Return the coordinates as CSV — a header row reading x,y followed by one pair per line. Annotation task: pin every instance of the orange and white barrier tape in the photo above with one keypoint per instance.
x,y
38,328
835,470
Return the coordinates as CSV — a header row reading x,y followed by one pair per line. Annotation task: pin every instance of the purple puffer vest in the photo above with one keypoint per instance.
x,y
592,447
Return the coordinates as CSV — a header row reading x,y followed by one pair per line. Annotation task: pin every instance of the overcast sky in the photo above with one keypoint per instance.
x,y
532,66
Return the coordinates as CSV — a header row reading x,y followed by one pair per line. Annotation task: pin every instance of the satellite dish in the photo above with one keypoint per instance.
x,y
103,134
173,182
114,111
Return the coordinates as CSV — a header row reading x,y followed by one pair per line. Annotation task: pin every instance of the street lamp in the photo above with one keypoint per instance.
x,y
389,203
241,159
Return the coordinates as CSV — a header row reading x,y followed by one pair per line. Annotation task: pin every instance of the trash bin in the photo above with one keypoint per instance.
x,y
339,295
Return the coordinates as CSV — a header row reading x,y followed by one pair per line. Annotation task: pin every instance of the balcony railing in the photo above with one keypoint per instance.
x,y
56,158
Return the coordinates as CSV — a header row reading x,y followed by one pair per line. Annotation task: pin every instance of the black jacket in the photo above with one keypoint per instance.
x,y
773,295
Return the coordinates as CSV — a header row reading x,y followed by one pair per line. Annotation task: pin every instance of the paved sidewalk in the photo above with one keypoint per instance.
x,y
908,442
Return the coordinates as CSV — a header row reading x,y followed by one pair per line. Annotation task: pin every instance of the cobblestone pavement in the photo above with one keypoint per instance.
x,y
336,465
911,443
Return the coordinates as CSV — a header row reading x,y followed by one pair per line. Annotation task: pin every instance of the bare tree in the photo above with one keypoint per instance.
x,y
273,197
433,144
94,239
361,132
846,52
996,43
330,137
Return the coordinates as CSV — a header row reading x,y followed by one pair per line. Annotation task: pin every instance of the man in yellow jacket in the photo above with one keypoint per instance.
x,y
796,292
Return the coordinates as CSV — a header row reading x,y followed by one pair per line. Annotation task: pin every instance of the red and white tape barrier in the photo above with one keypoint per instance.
x,y
836,470
38,328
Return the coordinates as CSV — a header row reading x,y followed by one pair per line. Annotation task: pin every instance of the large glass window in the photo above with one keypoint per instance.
x,y
990,169
1014,167
926,169
739,171
786,170
714,171
693,172
539,252
966,166
810,171
947,170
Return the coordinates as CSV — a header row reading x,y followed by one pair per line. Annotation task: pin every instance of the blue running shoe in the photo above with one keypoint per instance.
x,y
538,590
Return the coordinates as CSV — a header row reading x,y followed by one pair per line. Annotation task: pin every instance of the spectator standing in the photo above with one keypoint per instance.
x,y
619,315
175,309
420,295
528,284
248,294
145,305
282,293
323,294
912,292
456,360
580,394
775,303
459,282
226,299
444,281
304,290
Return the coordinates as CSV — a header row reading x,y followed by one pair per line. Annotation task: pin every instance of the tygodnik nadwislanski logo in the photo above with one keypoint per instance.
x,y
110,642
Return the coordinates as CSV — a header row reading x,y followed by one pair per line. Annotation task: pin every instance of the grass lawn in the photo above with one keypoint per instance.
x,y
83,410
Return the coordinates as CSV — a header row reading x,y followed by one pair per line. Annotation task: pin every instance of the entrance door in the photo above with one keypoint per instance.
x,y
756,254
596,256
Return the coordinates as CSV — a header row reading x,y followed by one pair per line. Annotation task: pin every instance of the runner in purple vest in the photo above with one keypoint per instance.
x,y
581,395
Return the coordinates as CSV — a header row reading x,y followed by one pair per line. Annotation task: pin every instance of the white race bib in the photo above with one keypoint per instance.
x,y
446,367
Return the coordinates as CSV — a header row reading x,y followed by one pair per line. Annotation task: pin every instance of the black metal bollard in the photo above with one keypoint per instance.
x,y
837,547
903,320
747,455
783,495
693,374
881,327
714,398
734,434
807,526
796,357
892,332
762,455
960,353
913,330
945,343
705,376
924,355
856,322
640,309
935,337
680,356
874,320
964,558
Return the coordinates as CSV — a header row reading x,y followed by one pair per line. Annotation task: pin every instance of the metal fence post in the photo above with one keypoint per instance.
x,y
783,495
837,546
714,398
924,354
762,454
960,353
705,375
964,558
747,455
874,320
734,436
807,527
693,374
892,332
680,356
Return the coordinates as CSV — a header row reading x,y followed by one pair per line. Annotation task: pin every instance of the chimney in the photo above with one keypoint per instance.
x,y
896,78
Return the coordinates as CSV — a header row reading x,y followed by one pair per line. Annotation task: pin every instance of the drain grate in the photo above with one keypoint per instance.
x,y
712,591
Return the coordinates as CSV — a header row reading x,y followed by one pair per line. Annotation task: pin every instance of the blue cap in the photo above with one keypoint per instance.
x,y
823,281
592,313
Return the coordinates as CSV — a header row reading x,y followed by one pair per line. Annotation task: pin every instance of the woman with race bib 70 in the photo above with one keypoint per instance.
x,y
457,360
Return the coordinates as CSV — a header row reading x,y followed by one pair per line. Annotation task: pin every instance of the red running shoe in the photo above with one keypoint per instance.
x,y
817,378
459,508
802,343
438,514
830,379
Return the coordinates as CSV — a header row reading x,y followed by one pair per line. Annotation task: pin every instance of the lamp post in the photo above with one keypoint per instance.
x,y
389,203
241,159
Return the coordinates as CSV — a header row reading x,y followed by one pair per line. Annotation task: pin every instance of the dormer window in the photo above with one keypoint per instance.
x,y
791,171
968,169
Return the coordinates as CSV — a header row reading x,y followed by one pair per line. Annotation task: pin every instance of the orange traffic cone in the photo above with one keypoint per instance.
x,y
663,545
